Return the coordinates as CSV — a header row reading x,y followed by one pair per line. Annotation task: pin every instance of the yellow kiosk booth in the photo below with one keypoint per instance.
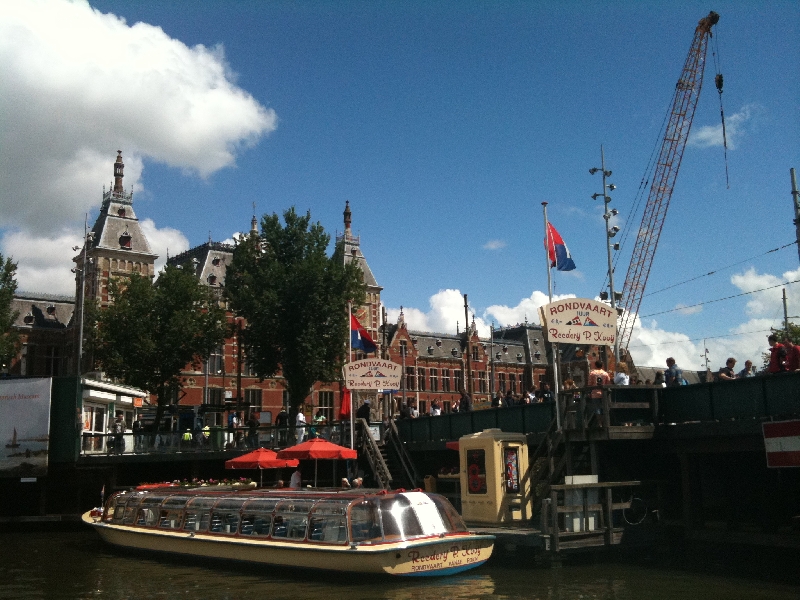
x,y
495,479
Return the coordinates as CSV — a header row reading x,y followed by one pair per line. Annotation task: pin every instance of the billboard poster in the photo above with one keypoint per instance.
x,y
24,427
372,374
579,321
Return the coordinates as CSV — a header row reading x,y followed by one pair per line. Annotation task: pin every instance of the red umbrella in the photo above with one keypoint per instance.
x,y
318,448
260,459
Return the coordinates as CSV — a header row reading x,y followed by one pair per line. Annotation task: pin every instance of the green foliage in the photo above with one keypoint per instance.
x,y
9,338
151,331
294,298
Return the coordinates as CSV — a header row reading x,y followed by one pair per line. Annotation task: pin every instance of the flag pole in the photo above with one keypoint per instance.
x,y
556,387
349,358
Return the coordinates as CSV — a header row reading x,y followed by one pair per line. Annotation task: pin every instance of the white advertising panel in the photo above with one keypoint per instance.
x,y
579,321
24,427
372,374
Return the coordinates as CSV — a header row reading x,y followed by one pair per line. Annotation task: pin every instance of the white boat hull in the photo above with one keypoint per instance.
x,y
419,557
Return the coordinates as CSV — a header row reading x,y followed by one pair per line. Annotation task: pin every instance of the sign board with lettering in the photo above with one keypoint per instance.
x,y
372,374
579,321
25,427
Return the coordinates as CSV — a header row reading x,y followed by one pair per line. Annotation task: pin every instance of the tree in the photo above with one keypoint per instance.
x,y
9,338
294,298
151,331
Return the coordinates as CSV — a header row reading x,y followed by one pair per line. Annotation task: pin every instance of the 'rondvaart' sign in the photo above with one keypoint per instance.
x,y
579,321
373,374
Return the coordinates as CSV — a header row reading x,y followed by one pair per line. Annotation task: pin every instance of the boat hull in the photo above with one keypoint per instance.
x,y
420,557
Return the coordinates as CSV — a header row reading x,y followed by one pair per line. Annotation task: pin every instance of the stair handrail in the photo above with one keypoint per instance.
x,y
369,446
402,453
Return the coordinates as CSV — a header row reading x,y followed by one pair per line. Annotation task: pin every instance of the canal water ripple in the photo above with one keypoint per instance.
x,y
77,565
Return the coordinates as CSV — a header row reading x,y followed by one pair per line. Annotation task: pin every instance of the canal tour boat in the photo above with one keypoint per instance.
x,y
359,530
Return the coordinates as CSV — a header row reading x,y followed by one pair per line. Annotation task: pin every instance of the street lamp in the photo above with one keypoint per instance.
x,y
611,231
87,239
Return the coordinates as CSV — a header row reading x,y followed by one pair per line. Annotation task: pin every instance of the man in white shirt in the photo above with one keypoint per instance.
x,y
296,480
300,422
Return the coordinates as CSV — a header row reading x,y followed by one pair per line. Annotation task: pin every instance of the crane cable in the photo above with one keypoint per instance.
x,y
718,81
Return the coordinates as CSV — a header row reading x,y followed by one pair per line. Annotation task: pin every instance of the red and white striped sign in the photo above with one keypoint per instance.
x,y
782,442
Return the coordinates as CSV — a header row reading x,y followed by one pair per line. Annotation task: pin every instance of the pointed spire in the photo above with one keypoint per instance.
x,y
119,167
347,217
254,222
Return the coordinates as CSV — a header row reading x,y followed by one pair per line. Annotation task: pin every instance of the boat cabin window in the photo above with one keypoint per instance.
x,y
225,516
255,523
328,522
365,521
451,519
291,518
198,514
170,519
399,519
116,508
149,510
131,508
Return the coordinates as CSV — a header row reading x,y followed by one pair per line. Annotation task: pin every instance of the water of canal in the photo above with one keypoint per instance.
x,y
76,565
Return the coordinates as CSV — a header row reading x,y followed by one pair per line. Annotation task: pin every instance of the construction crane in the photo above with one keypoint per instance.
x,y
687,92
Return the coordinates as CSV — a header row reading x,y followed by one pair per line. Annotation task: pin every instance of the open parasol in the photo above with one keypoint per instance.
x,y
316,449
260,459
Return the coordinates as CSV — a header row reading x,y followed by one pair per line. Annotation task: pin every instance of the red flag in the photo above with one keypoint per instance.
x,y
344,408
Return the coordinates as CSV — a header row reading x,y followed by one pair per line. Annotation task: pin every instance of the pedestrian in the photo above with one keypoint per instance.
x,y
598,377
792,362
545,394
673,375
363,411
508,399
297,479
747,371
138,435
727,373
436,410
659,379
465,401
118,429
252,431
777,355
621,377
300,426
282,423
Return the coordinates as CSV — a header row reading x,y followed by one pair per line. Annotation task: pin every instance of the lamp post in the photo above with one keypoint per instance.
x,y
611,231
87,238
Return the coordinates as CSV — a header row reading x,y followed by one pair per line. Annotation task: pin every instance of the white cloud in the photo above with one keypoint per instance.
x,y
79,85
494,245
164,242
43,263
688,310
765,303
735,129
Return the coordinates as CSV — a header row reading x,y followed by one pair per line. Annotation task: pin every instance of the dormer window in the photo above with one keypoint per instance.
x,y
28,319
212,279
430,349
125,240
216,261
51,310
121,212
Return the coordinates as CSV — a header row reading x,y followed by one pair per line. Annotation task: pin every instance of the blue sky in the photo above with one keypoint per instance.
x,y
445,124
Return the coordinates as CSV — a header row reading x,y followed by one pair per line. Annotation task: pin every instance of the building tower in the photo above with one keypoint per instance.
x,y
116,245
368,314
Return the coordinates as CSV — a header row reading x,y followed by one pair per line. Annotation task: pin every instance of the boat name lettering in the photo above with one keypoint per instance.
x,y
436,557
588,336
373,364
570,306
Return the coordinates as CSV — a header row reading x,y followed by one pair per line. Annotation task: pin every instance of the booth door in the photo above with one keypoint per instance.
x,y
95,427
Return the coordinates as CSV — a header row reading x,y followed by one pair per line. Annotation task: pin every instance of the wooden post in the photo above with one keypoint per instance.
x,y
585,493
609,517
554,514
655,407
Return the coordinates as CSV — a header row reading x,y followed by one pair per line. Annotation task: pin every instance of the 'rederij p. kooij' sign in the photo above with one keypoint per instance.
x,y
579,321
372,374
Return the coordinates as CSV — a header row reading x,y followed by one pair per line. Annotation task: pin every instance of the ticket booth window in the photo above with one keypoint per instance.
x,y
511,463
476,471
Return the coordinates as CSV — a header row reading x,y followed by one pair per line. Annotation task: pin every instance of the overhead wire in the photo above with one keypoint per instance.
x,y
719,299
705,337
717,270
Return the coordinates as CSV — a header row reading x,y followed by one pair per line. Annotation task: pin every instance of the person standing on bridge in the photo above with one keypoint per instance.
x,y
727,373
792,362
673,375
747,371
777,355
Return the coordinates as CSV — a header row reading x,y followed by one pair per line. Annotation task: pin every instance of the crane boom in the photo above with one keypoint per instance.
x,y
687,92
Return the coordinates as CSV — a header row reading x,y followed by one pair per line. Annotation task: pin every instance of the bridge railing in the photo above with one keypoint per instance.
x,y
760,398
526,418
